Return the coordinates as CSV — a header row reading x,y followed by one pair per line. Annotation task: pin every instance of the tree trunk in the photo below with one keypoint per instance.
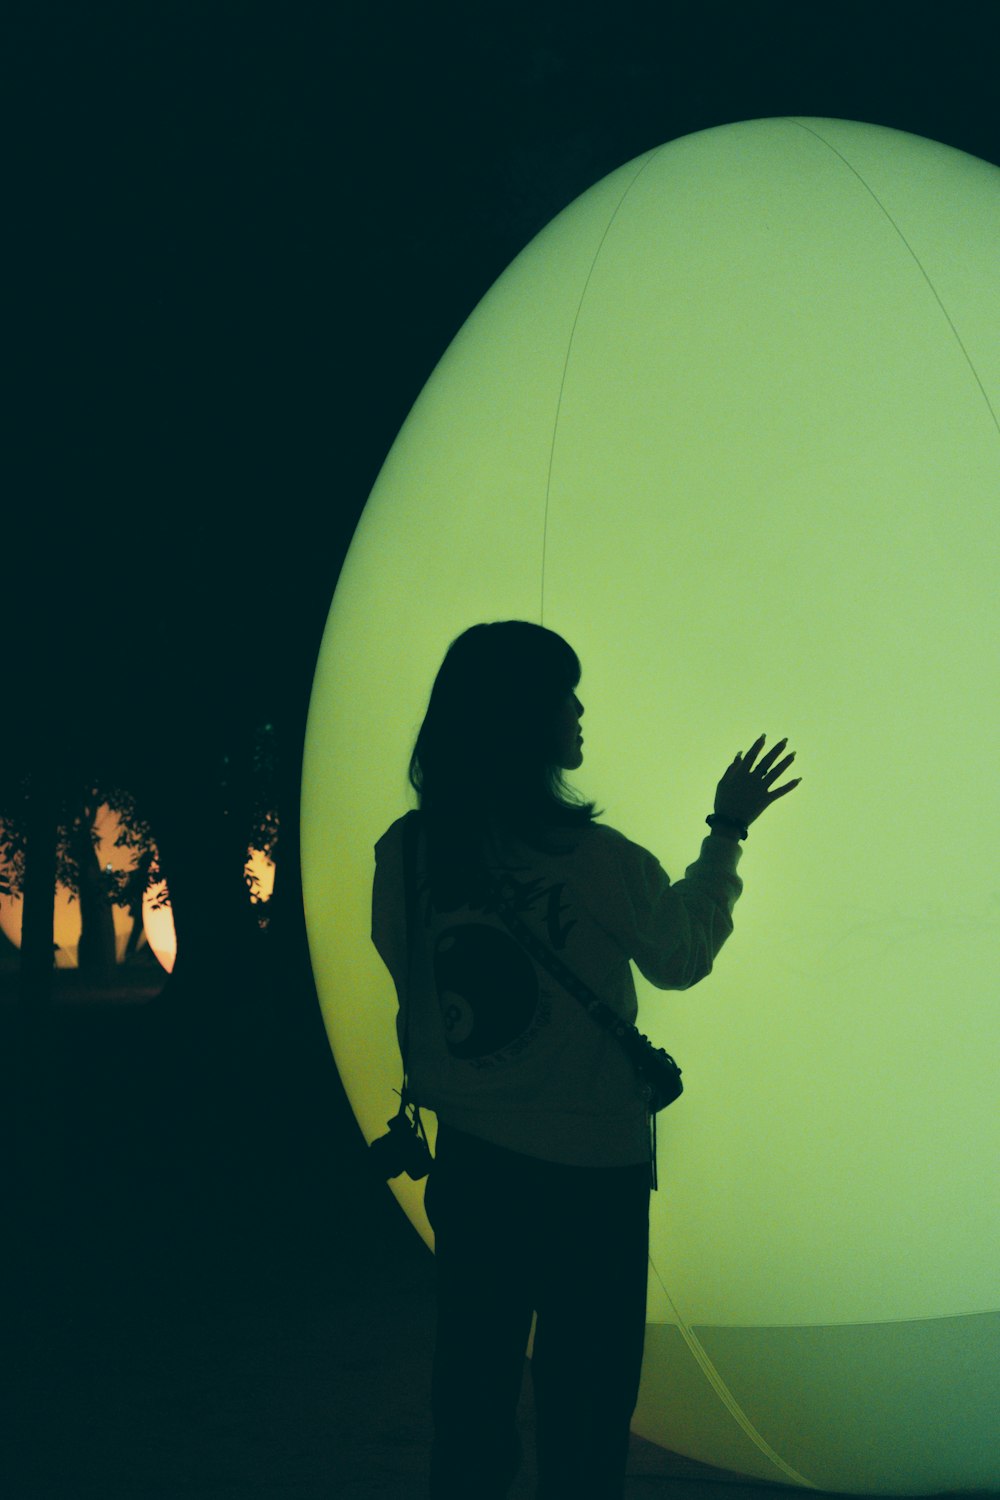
x,y
96,953
139,879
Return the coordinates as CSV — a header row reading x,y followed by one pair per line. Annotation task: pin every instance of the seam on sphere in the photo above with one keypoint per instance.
x,y
916,260
569,349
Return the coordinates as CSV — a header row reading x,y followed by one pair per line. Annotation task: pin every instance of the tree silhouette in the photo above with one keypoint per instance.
x,y
78,866
13,840
263,813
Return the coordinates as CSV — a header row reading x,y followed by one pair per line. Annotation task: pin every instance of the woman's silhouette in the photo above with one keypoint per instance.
x,y
539,1192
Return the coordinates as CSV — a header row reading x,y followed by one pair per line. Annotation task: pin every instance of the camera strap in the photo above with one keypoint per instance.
x,y
572,983
592,1004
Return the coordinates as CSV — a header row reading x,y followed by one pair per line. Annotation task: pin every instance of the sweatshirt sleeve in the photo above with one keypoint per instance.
x,y
672,931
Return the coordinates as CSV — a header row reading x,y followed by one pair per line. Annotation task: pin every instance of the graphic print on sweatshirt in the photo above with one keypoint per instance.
x,y
492,1004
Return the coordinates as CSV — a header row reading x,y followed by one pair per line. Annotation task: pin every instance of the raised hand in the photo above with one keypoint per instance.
x,y
746,789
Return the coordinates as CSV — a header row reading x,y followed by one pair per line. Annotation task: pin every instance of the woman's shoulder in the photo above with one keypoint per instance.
x,y
589,844
606,843
392,838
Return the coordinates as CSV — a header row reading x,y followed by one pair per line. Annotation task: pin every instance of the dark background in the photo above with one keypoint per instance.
x,y
240,237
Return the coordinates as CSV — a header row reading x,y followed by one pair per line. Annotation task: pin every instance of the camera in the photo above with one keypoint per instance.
x,y
658,1072
403,1150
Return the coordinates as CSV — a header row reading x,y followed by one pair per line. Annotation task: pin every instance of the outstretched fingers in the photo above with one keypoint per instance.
x,y
776,771
780,792
746,761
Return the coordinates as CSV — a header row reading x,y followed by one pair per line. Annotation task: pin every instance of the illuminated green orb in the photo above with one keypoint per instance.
x,y
729,425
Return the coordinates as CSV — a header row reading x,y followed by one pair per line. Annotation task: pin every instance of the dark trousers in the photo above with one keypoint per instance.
x,y
515,1235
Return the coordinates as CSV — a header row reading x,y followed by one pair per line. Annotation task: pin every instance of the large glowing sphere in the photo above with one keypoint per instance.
x,y
729,425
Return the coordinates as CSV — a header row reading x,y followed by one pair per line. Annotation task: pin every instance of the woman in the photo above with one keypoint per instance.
x,y
539,1192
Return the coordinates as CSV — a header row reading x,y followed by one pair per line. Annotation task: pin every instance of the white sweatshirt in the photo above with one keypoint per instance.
x,y
496,1047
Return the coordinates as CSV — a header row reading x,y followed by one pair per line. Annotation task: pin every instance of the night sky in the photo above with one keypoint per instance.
x,y
240,238
243,236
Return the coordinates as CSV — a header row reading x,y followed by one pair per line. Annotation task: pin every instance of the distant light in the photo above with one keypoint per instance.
x,y
259,871
158,925
158,917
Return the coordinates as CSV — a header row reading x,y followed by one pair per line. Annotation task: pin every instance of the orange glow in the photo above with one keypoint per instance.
x,y
158,925
66,921
260,872
158,921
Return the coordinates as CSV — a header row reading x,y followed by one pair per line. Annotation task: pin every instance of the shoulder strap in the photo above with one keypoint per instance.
x,y
571,982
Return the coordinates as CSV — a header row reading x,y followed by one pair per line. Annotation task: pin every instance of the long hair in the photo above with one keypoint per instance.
x,y
485,758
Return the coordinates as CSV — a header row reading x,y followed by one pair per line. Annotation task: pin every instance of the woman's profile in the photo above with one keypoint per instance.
x,y
539,1191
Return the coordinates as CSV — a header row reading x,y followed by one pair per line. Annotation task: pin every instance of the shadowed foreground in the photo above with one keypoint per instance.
x,y
306,1391
216,1299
